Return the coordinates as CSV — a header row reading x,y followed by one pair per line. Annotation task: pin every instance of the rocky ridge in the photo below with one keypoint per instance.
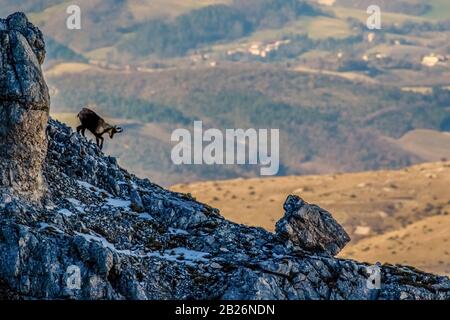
x,y
131,239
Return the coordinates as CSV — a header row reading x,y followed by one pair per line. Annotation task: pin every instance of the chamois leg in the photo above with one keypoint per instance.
x,y
82,130
100,142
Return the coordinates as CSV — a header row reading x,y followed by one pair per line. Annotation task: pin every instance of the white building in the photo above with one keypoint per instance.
x,y
432,60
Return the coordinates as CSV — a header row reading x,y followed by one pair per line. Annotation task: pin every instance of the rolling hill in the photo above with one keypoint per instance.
x,y
423,244
429,145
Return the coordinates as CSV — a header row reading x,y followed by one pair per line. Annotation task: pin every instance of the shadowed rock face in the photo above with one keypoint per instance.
x,y
24,107
106,234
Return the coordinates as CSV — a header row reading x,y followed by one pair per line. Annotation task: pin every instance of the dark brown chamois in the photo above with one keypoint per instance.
x,y
96,125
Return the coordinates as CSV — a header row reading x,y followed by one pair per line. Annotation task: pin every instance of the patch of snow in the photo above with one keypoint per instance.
x,y
188,256
65,212
44,225
77,204
50,207
106,244
91,188
178,231
110,201
73,201
86,185
118,203
146,216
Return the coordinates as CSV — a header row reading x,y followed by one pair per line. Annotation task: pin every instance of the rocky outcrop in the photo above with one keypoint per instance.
x,y
24,106
310,227
165,245
102,233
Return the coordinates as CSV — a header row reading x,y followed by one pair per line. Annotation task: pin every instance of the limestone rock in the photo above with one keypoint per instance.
x,y
310,227
24,106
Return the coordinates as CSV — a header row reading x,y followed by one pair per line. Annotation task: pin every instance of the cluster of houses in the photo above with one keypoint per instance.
x,y
430,60
259,49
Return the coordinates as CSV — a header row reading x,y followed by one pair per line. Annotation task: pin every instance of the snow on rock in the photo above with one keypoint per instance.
x,y
65,212
182,255
118,203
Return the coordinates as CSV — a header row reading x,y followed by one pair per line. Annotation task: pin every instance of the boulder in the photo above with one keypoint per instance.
x,y
310,227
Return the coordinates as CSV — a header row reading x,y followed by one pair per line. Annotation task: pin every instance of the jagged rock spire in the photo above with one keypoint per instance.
x,y
24,107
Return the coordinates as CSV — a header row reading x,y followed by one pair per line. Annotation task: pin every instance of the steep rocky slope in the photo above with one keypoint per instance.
x,y
131,239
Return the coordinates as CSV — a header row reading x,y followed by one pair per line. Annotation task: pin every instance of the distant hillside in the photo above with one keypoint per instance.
x,y
336,90
58,52
327,124
212,24
429,145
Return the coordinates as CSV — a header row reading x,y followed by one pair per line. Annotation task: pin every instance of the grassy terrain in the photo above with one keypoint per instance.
x,y
424,244
361,15
429,145
71,68
320,28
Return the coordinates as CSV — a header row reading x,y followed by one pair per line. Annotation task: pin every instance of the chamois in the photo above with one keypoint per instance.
x,y
96,125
